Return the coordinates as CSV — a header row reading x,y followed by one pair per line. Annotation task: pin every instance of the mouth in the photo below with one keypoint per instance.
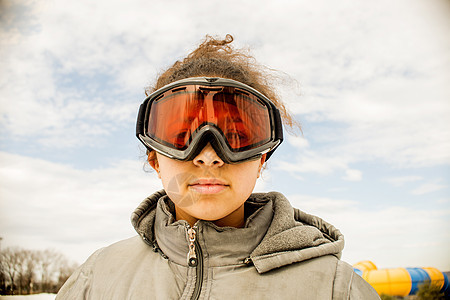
x,y
208,186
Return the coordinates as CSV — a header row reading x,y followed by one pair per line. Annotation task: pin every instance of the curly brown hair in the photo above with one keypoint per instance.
x,y
218,58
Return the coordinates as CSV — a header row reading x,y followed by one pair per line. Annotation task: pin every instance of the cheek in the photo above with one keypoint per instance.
x,y
245,179
175,185
172,174
174,179
175,182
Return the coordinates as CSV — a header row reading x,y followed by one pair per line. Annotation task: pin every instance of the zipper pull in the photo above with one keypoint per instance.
x,y
192,257
248,261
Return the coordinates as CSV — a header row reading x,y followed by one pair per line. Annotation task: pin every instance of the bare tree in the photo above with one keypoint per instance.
x,y
11,263
2,276
48,262
65,268
27,271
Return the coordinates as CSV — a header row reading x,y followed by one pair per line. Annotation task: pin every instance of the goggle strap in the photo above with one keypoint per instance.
x,y
278,125
141,120
278,131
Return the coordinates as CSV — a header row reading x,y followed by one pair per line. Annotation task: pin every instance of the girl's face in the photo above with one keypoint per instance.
x,y
206,188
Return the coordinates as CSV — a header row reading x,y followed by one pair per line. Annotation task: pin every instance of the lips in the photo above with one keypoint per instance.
x,y
208,185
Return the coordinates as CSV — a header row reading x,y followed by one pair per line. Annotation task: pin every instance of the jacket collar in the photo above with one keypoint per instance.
x,y
220,245
294,236
275,233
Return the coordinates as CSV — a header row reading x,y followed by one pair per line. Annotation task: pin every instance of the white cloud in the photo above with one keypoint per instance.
x,y
428,188
400,181
322,205
443,201
383,96
405,127
299,142
309,161
352,175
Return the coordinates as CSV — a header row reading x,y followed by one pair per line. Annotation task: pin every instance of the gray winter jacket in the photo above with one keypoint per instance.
x,y
281,253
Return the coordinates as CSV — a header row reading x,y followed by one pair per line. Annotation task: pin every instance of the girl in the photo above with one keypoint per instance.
x,y
209,125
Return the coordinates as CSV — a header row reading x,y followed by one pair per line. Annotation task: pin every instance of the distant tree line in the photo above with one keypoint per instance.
x,y
24,271
427,291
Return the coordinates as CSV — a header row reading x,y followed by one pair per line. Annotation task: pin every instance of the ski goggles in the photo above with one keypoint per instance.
x,y
181,118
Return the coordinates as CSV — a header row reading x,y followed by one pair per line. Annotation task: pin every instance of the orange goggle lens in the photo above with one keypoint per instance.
x,y
176,116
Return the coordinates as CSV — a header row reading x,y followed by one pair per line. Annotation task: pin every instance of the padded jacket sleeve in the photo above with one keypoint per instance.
x,y
79,283
350,286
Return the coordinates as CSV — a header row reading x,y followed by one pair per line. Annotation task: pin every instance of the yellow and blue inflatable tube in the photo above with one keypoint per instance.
x,y
401,281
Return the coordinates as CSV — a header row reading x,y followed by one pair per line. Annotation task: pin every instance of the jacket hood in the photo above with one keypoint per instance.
x,y
291,236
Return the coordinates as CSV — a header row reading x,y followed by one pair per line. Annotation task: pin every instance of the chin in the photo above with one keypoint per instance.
x,y
210,213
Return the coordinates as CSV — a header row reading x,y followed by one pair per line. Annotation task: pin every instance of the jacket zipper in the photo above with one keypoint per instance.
x,y
195,259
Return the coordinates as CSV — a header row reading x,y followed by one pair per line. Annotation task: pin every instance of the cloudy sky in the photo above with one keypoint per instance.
x,y
368,81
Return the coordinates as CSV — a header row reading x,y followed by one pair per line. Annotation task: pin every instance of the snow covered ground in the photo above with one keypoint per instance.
x,y
30,297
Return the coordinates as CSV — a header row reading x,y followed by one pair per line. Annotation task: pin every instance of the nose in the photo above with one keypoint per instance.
x,y
208,157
